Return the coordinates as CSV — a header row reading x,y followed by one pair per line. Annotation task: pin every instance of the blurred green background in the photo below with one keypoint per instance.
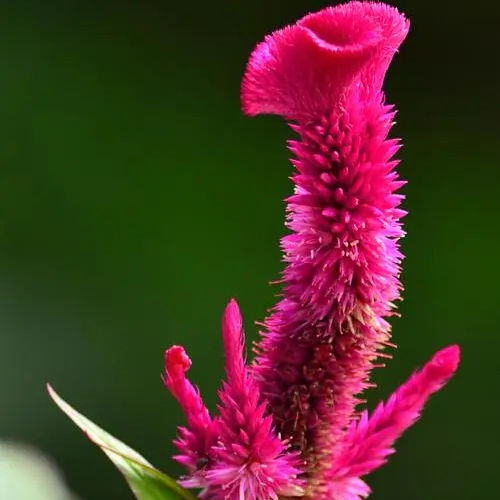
x,y
136,199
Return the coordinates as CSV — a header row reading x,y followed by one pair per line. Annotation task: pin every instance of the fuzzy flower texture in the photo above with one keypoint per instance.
x,y
289,424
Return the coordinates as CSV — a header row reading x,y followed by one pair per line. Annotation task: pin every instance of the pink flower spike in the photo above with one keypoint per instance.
x,y
342,255
232,336
195,441
250,461
369,441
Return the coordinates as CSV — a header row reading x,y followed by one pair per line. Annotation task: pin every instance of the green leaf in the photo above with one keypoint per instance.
x,y
144,480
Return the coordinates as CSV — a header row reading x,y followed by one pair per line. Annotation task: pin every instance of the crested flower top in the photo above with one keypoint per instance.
x,y
303,70
288,425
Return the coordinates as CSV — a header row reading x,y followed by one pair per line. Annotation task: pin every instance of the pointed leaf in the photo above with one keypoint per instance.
x,y
144,480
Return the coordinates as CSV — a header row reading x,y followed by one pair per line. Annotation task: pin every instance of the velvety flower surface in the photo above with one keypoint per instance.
x,y
343,261
289,424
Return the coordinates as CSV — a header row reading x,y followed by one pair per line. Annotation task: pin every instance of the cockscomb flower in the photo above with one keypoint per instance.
x,y
288,425
324,75
238,455
195,441
369,440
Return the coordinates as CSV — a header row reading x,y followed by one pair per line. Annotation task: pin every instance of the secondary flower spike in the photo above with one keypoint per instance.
x,y
369,440
196,440
242,458
288,425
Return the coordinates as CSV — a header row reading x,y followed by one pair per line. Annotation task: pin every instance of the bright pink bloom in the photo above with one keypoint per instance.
x,y
369,440
245,460
343,263
250,460
299,399
194,441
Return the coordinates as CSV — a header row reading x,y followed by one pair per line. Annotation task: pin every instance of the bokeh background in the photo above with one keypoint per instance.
x,y
136,199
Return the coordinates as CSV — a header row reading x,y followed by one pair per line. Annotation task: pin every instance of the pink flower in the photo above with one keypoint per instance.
x,y
243,458
343,261
288,426
195,441
369,440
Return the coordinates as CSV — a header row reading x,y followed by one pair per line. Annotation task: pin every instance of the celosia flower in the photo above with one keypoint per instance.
x,y
195,441
324,74
343,262
237,456
369,440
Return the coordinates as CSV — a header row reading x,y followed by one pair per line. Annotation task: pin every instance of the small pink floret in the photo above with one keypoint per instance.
x,y
176,361
446,360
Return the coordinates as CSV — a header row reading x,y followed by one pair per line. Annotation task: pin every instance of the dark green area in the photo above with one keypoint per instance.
x,y
135,200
